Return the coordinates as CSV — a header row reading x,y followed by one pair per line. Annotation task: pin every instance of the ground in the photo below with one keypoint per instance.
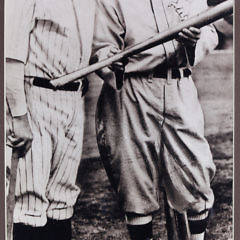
x,y
97,215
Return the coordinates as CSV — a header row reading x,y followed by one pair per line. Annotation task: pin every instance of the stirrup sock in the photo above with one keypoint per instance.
x,y
140,232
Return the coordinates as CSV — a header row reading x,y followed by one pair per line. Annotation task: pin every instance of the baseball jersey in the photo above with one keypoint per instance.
x,y
150,132
49,33
55,46
121,24
49,39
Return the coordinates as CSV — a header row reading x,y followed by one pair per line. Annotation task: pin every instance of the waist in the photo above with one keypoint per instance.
x,y
45,83
174,73
162,73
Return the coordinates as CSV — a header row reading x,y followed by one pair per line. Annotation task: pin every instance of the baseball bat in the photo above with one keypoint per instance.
x,y
200,20
11,194
176,223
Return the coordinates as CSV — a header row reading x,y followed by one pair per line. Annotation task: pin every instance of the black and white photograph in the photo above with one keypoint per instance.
x,y
119,119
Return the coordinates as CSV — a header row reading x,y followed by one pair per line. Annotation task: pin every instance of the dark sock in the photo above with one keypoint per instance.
x,y
58,229
198,226
140,232
198,222
22,231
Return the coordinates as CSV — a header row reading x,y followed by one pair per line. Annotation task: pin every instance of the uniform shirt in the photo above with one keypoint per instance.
x,y
50,37
123,23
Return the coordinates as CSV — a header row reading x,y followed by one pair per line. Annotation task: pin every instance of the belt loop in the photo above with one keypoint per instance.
x,y
181,73
151,75
80,85
169,75
83,87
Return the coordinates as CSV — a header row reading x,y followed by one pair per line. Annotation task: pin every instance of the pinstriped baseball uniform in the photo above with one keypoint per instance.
x,y
151,132
52,39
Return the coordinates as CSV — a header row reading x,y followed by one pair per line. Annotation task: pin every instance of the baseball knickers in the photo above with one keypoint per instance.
x,y
47,174
151,135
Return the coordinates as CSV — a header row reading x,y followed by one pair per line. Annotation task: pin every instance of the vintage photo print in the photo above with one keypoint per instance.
x,y
119,119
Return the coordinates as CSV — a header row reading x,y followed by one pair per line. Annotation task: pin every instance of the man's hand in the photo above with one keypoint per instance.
x,y
117,68
21,137
189,36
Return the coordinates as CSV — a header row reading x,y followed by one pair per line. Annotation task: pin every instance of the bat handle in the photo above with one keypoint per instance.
x,y
11,194
176,223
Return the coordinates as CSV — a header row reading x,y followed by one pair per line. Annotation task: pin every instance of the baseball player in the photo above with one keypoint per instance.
x,y
46,39
149,121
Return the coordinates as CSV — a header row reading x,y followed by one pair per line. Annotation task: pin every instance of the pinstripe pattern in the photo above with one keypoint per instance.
x,y
52,38
54,47
46,176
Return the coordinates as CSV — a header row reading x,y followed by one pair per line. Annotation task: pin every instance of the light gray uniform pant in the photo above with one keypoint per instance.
x,y
151,134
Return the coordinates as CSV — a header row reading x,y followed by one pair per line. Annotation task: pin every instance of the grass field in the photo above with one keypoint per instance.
x,y
97,215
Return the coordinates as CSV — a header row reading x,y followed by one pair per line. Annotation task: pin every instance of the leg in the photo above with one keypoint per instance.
x,y
186,153
62,191
128,140
139,227
183,226
33,168
198,223
27,232
49,111
58,229
176,223
128,133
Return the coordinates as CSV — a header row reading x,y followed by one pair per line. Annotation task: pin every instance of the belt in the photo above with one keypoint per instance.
x,y
160,73
45,83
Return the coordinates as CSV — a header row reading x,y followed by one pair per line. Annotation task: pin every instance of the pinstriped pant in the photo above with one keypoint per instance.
x,y
47,174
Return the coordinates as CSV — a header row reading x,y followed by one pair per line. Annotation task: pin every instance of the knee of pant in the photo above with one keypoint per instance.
x,y
198,221
137,219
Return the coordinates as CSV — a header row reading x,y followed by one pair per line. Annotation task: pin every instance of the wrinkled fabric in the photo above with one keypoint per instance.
x,y
151,132
122,24
151,135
